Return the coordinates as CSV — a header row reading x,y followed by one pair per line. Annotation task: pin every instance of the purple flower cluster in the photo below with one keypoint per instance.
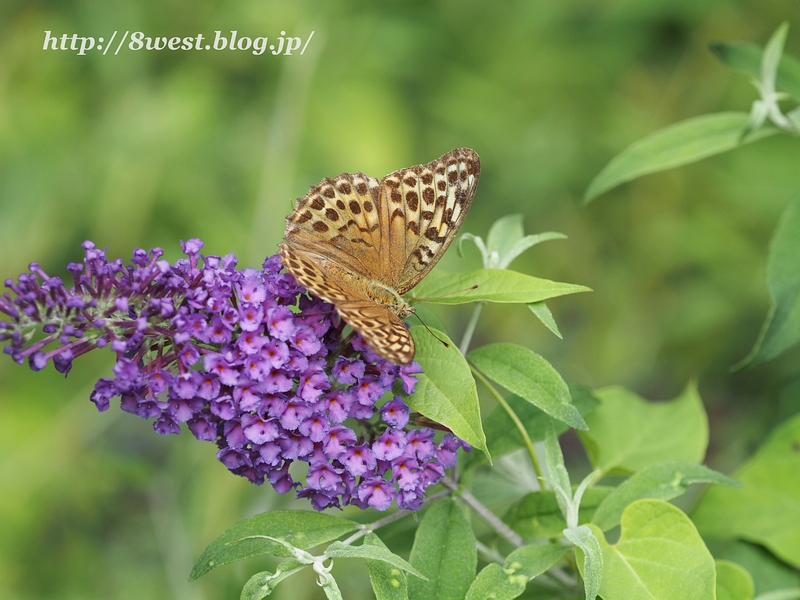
x,y
247,360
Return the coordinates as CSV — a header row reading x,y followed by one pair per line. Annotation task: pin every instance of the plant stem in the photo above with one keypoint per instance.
x,y
473,322
510,412
396,516
490,554
487,515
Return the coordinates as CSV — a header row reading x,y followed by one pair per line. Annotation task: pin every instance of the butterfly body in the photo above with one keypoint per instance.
x,y
360,243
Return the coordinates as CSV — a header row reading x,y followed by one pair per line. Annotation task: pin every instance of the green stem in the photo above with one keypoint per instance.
x,y
488,516
489,554
473,322
510,412
365,529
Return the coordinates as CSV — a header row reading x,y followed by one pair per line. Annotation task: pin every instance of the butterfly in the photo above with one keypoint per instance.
x,y
360,243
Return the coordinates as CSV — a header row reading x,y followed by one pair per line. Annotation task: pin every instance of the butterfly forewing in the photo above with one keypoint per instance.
x,y
352,237
339,219
425,206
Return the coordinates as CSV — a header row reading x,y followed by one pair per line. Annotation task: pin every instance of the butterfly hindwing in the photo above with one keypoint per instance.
x,y
385,333
425,206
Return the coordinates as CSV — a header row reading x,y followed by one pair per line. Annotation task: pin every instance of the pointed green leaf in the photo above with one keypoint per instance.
x,y
530,376
627,433
529,241
504,233
661,481
262,584
445,390
494,285
592,566
502,436
478,241
301,528
372,552
676,145
772,55
444,551
504,583
556,471
769,501
733,582
493,583
388,582
747,57
543,313
659,556
534,559
781,330
538,516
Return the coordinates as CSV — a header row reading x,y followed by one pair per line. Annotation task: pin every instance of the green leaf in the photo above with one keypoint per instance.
x,y
444,551
767,509
733,582
767,571
659,556
426,315
502,436
772,56
537,515
388,583
679,144
301,528
529,241
627,433
263,584
530,376
504,233
747,57
504,583
661,481
493,583
445,390
556,471
543,313
494,285
787,594
592,568
781,329
534,559
372,552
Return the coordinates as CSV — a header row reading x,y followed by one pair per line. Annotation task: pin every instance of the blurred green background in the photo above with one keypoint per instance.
x,y
146,148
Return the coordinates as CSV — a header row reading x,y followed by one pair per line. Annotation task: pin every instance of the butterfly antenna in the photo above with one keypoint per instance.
x,y
473,287
446,345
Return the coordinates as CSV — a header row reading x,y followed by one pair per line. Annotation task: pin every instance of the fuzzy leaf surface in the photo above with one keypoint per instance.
x,y
444,551
445,390
766,509
301,528
627,433
659,556
531,377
